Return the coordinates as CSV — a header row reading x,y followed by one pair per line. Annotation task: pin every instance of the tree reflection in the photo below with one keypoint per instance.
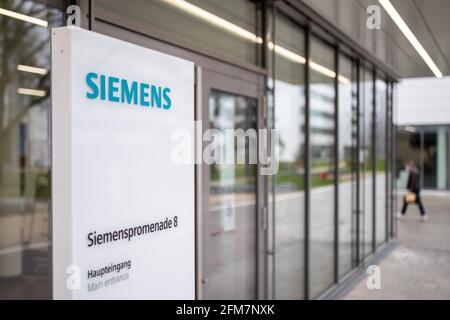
x,y
28,44
24,151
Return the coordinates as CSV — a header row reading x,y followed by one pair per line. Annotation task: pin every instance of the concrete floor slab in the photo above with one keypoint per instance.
x,y
419,268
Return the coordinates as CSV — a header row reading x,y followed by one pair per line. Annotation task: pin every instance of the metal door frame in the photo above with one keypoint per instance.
x,y
211,79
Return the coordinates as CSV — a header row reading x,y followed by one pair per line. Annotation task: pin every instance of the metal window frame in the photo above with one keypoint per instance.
x,y
386,161
307,153
394,204
374,158
270,32
336,165
358,161
218,81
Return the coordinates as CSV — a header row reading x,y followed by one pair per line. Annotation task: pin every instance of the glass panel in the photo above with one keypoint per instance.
x,y
229,28
289,194
428,148
396,196
380,167
430,159
271,179
25,151
389,160
231,260
347,165
408,149
366,167
322,105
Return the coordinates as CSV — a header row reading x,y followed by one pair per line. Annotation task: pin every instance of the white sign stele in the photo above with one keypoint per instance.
x,y
123,212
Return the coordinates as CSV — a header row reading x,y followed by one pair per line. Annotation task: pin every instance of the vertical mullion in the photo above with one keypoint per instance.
x,y
395,152
391,160
307,156
374,158
91,14
336,166
387,165
274,177
363,110
358,159
265,119
422,158
354,163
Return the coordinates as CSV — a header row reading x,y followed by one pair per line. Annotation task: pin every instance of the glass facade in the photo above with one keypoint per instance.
x,y
25,140
330,199
348,135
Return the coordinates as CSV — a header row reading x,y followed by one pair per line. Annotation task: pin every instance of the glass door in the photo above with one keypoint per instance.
x,y
232,232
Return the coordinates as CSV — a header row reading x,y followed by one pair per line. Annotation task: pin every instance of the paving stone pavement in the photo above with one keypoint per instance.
x,y
419,268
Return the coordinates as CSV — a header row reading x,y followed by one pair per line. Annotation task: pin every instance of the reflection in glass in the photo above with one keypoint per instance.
x,y
390,162
25,181
322,113
215,35
430,151
366,163
347,166
231,262
289,192
380,165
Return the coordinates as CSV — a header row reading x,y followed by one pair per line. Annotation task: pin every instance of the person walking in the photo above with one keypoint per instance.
x,y
413,195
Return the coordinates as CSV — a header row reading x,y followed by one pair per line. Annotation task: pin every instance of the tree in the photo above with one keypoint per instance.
x,y
21,43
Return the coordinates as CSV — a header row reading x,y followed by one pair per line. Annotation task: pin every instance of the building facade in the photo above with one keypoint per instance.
x,y
299,234
423,134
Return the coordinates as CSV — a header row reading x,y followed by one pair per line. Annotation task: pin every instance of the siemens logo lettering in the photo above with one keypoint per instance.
x,y
120,90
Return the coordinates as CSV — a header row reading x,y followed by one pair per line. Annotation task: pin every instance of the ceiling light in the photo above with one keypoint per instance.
x,y
343,79
23,17
299,59
30,69
214,20
321,69
31,92
410,129
245,34
401,24
287,53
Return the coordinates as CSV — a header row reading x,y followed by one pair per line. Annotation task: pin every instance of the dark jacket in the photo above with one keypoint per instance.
x,y
413,180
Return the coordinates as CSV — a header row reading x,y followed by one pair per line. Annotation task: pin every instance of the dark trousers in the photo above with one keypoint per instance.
x,y
418,202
